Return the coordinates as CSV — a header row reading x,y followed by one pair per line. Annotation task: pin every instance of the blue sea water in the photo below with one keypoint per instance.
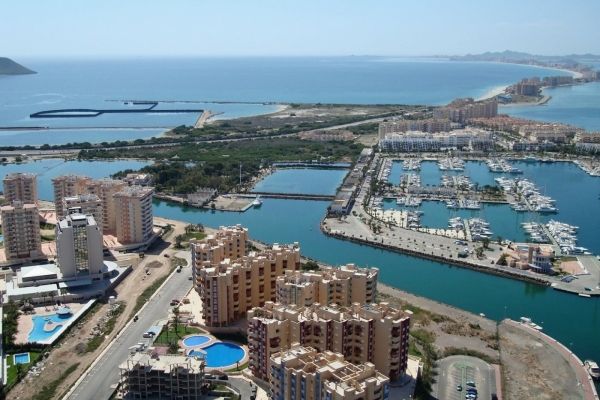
x,y
577,105
94,83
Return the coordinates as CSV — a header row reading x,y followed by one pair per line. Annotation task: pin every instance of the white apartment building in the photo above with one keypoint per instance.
x,y
79,246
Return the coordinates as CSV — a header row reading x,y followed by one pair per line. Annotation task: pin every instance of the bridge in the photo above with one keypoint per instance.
x,y
293,196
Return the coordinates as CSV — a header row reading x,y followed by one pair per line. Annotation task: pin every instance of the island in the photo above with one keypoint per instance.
x,y
10,67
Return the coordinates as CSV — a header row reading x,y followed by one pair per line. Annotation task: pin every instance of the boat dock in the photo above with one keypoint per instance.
x,y
292,196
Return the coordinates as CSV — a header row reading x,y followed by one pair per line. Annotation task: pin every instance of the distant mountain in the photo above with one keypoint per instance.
x,y
9,67
521,57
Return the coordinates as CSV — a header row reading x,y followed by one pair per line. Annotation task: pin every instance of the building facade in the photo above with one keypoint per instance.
x,y
133,211
470,138
302,373
21,231
161,377
79,246
68,186
462,110
430,125
105,189
231,288
343,286
375,333
20,186
87,204
227,243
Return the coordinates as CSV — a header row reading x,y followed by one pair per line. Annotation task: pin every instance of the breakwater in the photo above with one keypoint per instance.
x,y
93,112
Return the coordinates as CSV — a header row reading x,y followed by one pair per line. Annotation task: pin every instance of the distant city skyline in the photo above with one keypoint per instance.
x,y
186,28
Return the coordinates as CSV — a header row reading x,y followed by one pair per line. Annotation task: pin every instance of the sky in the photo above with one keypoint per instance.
x,y
124,28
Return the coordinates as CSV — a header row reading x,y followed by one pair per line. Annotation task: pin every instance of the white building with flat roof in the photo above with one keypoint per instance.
x,y
79,246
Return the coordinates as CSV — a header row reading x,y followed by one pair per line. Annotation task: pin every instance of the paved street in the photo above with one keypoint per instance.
x,y
105,373
458,370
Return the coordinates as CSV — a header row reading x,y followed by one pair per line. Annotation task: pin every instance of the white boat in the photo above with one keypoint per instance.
x,y
592,369
257,202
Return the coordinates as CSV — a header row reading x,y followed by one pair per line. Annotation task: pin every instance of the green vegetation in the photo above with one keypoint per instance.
x,y
10,323
195,232
217,165
108,327
309,266
454,351
49,391
169,336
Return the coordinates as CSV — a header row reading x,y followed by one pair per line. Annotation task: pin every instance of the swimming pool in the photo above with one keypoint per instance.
x,y
195,340
21,358
221,354
38,333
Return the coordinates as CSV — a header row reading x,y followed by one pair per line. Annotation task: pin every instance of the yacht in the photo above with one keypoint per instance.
x,y
257,202
592,369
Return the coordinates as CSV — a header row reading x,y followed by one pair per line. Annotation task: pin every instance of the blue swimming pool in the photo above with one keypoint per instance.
x,y
221,354
21,358
38,333
195,340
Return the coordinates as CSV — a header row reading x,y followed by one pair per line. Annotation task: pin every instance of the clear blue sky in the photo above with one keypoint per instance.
x,y
98,28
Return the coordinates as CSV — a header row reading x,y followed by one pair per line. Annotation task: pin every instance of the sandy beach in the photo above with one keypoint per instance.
x,y
493,92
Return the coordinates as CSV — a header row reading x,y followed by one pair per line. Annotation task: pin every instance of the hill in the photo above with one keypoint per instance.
x,y
9,67
520,57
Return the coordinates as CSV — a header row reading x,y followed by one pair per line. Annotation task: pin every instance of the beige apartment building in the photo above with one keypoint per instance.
x,y
462,110
227,243
21,231
105,189
86,204
143,376
303,373
375,333
343,285
21,187
68,186
231,288
133,211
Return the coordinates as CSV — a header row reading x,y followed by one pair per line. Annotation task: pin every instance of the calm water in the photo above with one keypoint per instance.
x,y
91,83
62,136
578,105
303,181
431,175
50,168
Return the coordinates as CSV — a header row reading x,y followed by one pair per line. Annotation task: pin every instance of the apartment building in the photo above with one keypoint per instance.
x,y
21,187
21,231
105,189
302,373
87,204
462,110
555,133
422,141
68,186
227,243
375,333
430,125
79,245
144,376
133,212
232,287
343,286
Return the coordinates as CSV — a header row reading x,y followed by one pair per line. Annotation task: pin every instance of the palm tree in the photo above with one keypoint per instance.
x,y
176,318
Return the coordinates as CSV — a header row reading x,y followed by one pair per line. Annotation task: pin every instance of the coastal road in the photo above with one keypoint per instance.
x,y
97,382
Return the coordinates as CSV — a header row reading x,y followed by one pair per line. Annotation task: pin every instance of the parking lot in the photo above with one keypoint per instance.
x,y
458,370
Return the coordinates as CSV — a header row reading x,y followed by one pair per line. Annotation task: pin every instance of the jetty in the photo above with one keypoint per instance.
x,y
93,112
292,196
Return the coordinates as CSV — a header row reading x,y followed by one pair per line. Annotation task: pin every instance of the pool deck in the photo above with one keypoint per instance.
x,y
26,321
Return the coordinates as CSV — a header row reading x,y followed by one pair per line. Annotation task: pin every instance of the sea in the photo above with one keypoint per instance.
x,y
231,87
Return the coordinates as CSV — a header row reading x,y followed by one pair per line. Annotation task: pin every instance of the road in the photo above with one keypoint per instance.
x,y
458,370
105,372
